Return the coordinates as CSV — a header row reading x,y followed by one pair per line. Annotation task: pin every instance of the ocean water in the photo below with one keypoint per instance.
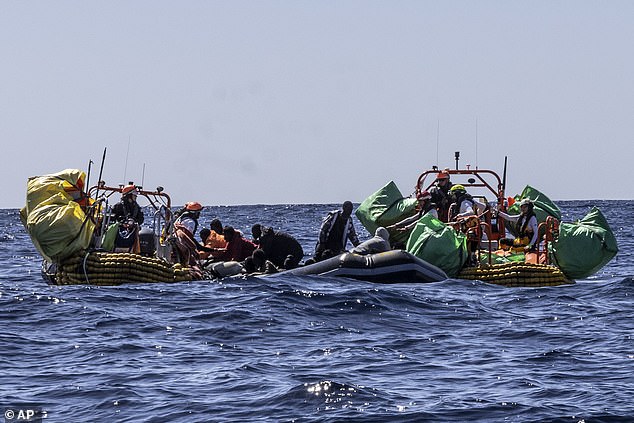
x,y
315,349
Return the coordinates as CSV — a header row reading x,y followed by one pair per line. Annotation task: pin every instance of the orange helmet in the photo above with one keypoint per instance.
x,y
130,189
442,175
193,206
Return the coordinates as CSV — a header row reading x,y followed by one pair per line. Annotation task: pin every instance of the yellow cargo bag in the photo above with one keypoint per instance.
x,y
53,217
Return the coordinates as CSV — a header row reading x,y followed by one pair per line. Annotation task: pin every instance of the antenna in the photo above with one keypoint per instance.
x,y
476,140
143,176
437,140
125,169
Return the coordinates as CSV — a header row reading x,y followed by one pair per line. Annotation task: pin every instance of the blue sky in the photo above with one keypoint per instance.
x,y
249,102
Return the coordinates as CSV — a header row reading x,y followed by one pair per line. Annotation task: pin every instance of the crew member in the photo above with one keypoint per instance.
x,y
129,216
525,224
440,195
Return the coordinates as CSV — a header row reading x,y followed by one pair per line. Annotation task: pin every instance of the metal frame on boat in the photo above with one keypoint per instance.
x,y
158,200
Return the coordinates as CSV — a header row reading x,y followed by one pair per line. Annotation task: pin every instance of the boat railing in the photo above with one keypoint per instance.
x,y
489,241
483,180
550,228
161,223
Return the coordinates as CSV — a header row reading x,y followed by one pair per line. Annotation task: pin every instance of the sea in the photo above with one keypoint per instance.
x,y
316,349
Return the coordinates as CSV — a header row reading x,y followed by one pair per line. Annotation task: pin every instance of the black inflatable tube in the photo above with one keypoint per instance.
x,y
395,266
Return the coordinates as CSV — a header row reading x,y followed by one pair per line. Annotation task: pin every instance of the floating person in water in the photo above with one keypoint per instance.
x,y
335,231
258,263
379,243
281,248
129,216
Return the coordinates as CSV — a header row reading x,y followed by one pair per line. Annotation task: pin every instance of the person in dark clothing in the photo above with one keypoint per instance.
x,y
128,209
129,215
256,232
335,231
278,246
440,195
261,264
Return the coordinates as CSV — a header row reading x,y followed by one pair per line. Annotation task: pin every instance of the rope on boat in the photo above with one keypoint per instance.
x,y
100,268
84,267
516,275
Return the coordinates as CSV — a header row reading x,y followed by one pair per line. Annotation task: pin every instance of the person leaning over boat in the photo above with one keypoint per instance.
x,y
424,206
379,243
238,248
213,238
281,248
440,195
185,227
335,231
526,225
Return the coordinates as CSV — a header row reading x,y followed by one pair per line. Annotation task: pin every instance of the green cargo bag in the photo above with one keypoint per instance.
x,y
438,244
386,207
584,247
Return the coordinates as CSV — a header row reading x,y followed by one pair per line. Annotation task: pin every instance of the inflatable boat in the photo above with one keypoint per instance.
x,y
395,266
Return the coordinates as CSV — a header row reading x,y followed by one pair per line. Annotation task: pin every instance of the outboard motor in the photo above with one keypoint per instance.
x,y
146,242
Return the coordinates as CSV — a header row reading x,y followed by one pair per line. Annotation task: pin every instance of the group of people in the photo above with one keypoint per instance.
x,y
225,250
452,204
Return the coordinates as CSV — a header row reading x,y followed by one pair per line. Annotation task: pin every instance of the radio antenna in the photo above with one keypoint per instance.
x,y
476,141
143,176
437,140
125,169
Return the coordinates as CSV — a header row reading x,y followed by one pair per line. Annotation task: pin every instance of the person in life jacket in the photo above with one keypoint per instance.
x,y
213,238
462,204
424,206
526,225
335,231
185,226
440,195
129,216
463,212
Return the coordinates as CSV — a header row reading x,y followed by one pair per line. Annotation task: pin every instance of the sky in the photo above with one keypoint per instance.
x,y
276,102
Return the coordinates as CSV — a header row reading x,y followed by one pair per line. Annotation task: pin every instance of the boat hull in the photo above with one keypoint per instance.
x,y
396,266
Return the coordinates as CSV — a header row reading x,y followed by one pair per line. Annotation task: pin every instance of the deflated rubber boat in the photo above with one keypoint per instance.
x,y
395,266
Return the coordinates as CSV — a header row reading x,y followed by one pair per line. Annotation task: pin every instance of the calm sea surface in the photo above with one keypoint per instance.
x,y
318,349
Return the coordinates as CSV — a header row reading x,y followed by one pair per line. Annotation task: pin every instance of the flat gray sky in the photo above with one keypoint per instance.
x,y
248,102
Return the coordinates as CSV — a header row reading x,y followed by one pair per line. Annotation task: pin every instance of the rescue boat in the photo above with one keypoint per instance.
x,y
470,248
69,226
